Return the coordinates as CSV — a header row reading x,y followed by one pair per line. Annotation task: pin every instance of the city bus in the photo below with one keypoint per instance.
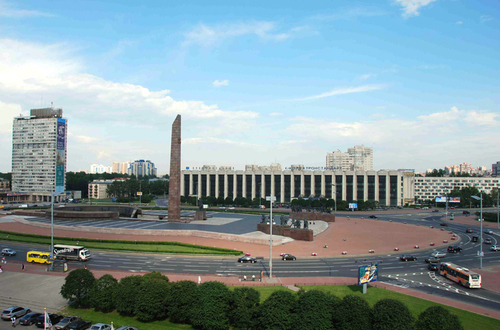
x,y
461,275
38,257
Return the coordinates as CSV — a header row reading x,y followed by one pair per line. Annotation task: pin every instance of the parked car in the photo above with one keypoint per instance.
x,y
8,252
466,212
444,224
288,257
65,322
101,326
488,241
489,231
405,257
79,325
373,217
127,328
469,230
433,267
454,249
247,259
432,260
435,210
54,319
16,311
495,248
438,254
29,318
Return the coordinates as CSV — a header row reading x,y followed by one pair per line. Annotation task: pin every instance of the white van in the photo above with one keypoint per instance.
x,y
23,205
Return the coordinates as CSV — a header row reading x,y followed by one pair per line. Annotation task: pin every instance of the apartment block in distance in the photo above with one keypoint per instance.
x,y
141,168
39,154
357,158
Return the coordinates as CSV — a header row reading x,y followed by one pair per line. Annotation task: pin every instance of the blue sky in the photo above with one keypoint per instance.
x,y
260,82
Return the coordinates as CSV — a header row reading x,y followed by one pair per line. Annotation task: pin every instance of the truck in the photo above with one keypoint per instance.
x,y
70,252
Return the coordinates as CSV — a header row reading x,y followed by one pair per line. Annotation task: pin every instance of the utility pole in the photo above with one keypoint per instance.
x,y
270,199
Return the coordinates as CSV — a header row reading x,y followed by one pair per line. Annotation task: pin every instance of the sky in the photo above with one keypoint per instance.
x,y
257,82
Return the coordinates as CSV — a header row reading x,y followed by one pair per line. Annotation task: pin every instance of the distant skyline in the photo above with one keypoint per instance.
x,y
257,83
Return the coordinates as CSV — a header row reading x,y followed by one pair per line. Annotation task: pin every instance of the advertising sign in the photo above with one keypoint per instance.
x,y
440,199
367,274
61,154
353,205
454,199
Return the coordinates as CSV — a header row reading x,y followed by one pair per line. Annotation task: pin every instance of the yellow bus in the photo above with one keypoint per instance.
x,y
38,257
461,275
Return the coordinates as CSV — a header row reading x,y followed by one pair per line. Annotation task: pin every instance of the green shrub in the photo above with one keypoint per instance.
x,y
155,277
353,312
437,318
150,304
211,310
101,297
276,312
314,310
244,308
77,286
389,314
181,301
126,294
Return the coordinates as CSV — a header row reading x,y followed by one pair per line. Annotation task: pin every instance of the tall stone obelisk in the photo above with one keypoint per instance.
x,y
174,190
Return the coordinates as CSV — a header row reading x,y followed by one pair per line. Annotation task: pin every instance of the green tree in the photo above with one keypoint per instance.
x,y
244,308
77,286
211,310
276,312
437,318
353,312
101,296
314,310
155,277
126,294
391,314
151,301
181,300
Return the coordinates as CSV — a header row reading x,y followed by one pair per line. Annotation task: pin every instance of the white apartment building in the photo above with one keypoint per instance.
x,y
390,188
427,188
357,158
141,168
99,169
39,154
97,189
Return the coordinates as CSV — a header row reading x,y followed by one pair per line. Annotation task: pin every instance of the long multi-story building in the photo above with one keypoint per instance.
x,y
428,188
39,154
357,158
388,187
141,168
99,169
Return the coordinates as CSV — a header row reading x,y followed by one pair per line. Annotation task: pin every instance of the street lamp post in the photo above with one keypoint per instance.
x,y
498,208
481,234
335,199
52,225
270,199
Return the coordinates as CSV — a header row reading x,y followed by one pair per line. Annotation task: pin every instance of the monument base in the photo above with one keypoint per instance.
x,y
200,215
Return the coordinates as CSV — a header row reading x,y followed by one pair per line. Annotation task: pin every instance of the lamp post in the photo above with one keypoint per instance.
x,y
52,224
481,234
335,199
270,199
498,208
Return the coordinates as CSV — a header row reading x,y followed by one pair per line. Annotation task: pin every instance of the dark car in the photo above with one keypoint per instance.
x,y
488,241
435,210
79,325
16,311
407,258
444,224
247,259
466,212
373,217
63,324
29,318
54,319
432,260
127,328
288,257
8,252
433,267
454,249
469,230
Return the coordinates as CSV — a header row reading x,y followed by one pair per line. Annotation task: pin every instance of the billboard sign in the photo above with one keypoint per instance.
x,y
367,274
61,155
454,199
440,199
353,205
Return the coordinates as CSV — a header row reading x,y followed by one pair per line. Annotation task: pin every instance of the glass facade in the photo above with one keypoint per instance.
x,y
360,186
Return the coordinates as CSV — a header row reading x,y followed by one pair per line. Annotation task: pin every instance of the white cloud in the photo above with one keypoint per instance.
x,y
351,13
275,114
9,111
459,22
342,91
367,76
86,139
6,10
485,18
209,35
217,83
381,107
412,7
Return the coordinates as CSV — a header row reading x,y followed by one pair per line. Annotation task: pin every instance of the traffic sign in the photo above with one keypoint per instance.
x,y
268,198
139,193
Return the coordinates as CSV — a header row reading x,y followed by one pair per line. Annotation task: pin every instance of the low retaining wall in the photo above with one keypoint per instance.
x,y
123,211
313,216
83,215
297,234
156,232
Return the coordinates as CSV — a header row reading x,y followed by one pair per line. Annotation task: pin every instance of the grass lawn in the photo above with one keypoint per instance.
x,y
160,247
118,320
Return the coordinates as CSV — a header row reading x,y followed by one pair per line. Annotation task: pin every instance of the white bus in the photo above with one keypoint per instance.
x,y
461,275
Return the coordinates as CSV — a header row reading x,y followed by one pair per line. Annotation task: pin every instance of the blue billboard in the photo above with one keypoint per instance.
x,y
61,154
367,274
